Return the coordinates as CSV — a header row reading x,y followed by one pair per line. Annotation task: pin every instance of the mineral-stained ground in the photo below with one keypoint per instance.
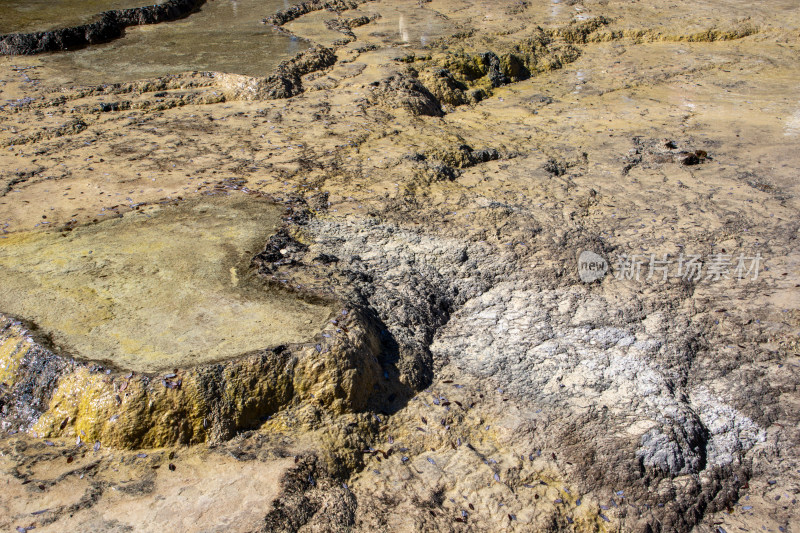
x,y
346,295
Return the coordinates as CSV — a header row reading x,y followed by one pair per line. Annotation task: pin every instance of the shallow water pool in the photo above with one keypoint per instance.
x,y
223,36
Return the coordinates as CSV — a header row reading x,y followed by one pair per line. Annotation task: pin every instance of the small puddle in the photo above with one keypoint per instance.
x,y
223,36
403,24
169,286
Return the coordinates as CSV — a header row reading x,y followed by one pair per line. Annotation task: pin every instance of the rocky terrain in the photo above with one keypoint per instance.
x,y
405,203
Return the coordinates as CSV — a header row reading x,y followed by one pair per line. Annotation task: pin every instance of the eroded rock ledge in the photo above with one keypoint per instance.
x,y
105,396
56,395
109,26
298,10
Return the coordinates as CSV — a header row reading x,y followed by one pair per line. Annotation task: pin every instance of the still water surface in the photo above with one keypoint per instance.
x,y
223,36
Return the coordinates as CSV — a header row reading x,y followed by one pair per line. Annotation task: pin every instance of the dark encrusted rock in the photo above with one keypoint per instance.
x,y
298,10
399,91
493,69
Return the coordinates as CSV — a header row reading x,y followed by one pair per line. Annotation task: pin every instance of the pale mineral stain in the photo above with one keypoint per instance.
x,y
169,287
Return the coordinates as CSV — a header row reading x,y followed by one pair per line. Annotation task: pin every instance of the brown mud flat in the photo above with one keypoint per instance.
x,y
441,165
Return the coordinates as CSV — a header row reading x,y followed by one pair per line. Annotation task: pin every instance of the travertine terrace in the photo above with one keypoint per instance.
x,y
411,193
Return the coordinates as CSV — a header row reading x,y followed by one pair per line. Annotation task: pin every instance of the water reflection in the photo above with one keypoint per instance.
x,y
555,9
403,29
793,125
580,80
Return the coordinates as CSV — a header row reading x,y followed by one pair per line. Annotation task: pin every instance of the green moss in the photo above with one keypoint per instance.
x,y
464,66
513,68
578,32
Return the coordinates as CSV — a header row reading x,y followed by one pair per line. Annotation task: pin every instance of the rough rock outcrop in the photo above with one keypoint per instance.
x,y
56,395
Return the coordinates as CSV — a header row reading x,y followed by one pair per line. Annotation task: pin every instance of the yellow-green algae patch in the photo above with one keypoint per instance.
x,y
210,402
134,413
168,286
